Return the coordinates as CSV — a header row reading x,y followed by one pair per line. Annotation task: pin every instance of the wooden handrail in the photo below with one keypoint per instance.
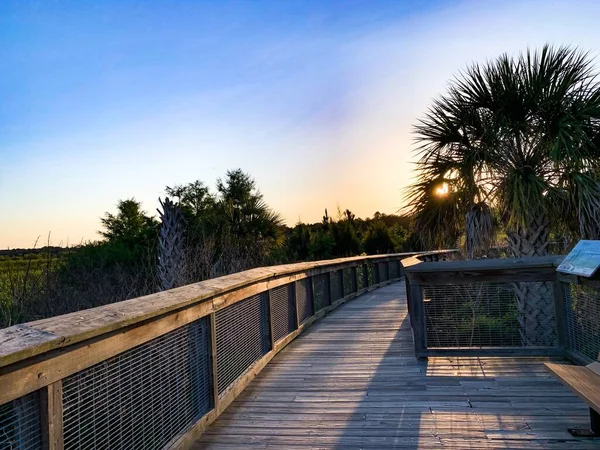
x,y
36,354
484,270
421,274
24,341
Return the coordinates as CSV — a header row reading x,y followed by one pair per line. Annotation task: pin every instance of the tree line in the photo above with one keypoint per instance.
x,y
208,233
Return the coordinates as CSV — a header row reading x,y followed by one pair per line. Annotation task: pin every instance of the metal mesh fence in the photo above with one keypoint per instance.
x,y
582,316
360,277
283,310
243,337
372,273
20,423
143,397
322,291
304,299
486,315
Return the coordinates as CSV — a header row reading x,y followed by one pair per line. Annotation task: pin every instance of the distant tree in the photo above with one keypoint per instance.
x,y
244,212
378,239
346,241
130,225
299,242
326,220
193,198
321,245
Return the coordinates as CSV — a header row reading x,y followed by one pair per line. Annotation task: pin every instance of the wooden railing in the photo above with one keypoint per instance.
x,y
155,371
515,306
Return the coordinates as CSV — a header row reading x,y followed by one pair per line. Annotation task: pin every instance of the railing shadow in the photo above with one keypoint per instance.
x,y
381,417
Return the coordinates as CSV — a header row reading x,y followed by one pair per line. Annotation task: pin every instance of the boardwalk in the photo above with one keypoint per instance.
x,y
351,381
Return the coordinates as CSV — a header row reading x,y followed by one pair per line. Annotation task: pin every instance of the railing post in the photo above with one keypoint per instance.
x,y
355,278
327,288
312,295
296,304
418,322
271,324
215,374
365,275
559,314
51,404
408,299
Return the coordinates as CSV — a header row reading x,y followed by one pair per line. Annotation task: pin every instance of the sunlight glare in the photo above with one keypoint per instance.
x,y
442,190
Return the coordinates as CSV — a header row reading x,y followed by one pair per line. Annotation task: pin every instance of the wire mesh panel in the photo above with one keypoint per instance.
x,y
582,316
370,274
20,423
304,300
360,277
143,397
483,315
283,310
322,291
243,337
353,279
336,285
394,269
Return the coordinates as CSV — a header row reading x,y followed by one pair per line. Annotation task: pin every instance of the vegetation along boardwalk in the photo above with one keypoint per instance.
x,y
351,381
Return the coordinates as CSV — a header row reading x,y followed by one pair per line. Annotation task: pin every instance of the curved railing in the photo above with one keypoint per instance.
x,y
155,371
496,307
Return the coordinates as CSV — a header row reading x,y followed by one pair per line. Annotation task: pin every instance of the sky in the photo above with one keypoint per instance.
x,y
107,100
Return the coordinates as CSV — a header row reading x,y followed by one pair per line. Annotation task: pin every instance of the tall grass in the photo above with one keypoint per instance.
x,y
45,284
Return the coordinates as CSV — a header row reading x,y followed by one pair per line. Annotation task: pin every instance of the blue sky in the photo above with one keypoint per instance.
x,y
106,100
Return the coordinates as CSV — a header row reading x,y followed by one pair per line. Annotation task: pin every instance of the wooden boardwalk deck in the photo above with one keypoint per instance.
x,y
351,381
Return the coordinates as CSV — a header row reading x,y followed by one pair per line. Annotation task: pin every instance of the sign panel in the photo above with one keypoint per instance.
x,y
584,259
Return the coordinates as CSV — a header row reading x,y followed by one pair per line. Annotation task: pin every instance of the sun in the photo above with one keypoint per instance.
x,y
442,190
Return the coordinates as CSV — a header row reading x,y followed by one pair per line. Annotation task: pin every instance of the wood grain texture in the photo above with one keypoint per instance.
x,y
581,380
51,416
482,270
21,342
351,381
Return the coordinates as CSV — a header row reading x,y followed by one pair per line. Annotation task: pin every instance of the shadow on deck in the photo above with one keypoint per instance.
x,y
352,381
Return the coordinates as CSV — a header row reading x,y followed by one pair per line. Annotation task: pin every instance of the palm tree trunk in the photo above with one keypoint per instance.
x,y
171,251
534,299
479,231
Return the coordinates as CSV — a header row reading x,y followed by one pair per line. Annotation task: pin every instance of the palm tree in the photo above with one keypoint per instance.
x,y
517,136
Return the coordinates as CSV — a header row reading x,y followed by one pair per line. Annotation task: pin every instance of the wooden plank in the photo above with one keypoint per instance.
x,y
221,402
490,265
51,416
418,319
581,380
508,275
493,351
353,381
483,270
39,372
